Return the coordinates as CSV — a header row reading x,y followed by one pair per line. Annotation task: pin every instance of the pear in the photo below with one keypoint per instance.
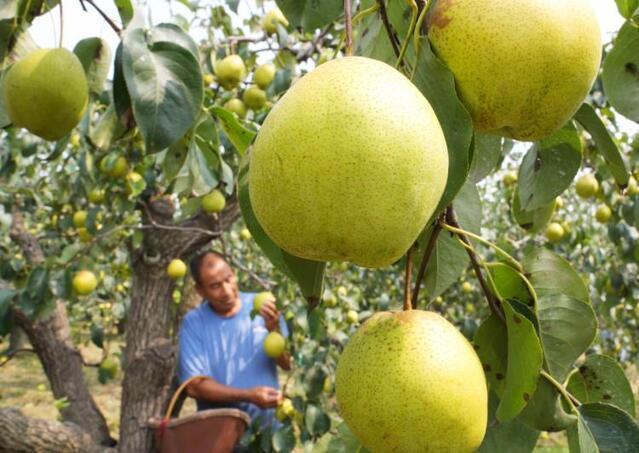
x,y
555,232
236,106
349,165
271,19
274,344
46,92
603,213
263,75
176,269
213,202
230,71
254,98
587,186
522,67
260,298
84,282
410,382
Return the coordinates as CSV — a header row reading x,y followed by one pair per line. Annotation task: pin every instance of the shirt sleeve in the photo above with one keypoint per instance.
x,y
191,355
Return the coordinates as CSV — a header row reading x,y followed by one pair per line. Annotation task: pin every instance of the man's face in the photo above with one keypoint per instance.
x,y
218,285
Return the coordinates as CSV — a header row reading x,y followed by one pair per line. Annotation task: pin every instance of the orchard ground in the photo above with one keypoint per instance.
x,y
25,386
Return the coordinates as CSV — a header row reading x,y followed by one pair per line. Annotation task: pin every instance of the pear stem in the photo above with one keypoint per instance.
x,y
407,278
570,399
411,28
349,28
425,259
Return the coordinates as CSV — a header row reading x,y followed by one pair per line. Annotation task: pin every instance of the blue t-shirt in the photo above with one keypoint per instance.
x,y
229,350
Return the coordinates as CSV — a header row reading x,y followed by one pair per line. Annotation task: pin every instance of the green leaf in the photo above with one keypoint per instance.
x,y
511,437
491,344
588,118
567,326
510,284
284,439
437,84
449,258
121,96
308,274
488,152
4,116
165,84
532,221
107,130
316,421
95,56
580,438
202,163
174,159
613,429
601,380
551,275
126,11
6,298
69,252
627,8
310,14
545,410
524,364
621,72
97,335
549,168
239,136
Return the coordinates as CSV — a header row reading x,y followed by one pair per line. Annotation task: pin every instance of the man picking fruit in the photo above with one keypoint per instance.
x,y
219,339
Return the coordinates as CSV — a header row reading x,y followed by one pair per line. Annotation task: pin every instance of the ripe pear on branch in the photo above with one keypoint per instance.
x,y
349,165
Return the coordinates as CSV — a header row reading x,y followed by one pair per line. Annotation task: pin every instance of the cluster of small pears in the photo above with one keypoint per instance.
x,y
351,163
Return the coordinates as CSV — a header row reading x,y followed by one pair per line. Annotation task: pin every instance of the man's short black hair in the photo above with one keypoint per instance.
x,y
195,265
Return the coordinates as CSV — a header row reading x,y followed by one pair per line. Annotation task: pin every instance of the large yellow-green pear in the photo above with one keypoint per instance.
x,y
410,382
348,165
522,67
46,92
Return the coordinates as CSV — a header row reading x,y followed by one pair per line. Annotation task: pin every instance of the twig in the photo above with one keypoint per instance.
x,y
425,259
10,354
349,28
407,278
113,25
572,401
61,23
451,219
387,25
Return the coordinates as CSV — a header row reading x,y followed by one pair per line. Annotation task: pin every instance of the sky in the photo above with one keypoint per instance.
x,y
79,24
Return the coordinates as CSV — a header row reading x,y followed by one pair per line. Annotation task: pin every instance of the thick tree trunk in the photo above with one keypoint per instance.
x,y
21,434
149,356
62,362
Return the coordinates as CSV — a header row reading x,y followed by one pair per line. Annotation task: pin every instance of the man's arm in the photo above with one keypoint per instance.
x,y
210,390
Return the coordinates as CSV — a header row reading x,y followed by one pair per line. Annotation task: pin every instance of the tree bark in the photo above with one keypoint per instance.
x,y
149,356
21,434
62,362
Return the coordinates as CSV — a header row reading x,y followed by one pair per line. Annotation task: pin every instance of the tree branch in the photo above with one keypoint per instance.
x,y
349,27
426,258
389,30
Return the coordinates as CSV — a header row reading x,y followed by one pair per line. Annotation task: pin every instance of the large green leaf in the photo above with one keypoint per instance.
x,y
308,274
613,429
627,8
311,14
4,116
621,72
549,168
95,56
6,298
509,283
491,344
588,118
551,275
524,364
340,441
121,96
567,326
316,421
107,130
601,380
284,439
449,258
511,437
437,84
164,81
126,11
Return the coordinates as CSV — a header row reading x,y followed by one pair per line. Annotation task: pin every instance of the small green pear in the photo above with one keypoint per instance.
x,y
213,202
260,298
254,98
603,213
263,75
554,232
274,344
271,19
230,71
80,219
176,269
236,106
587,186
84,282
46,92
411,382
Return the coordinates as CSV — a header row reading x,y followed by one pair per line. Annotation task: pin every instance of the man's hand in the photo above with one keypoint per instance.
x,y
270,314
265,397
